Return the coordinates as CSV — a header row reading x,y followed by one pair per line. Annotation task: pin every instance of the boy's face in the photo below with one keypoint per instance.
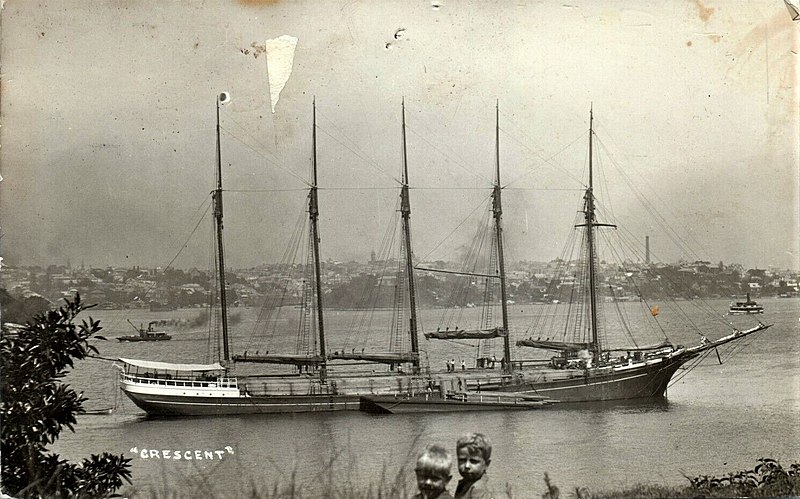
x,y
431,483
471,465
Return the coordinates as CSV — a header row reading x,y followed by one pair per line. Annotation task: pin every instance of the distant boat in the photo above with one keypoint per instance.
x,y
148,334
156,306
745,307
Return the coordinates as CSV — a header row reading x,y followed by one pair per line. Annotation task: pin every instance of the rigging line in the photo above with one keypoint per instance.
x,y
654,191
359,153
116,321
700,304
654,211
285,265
447,188
381,266
691,366
549,160
191,234
369,162
247,132
270,309
703,304
470,262
638,290
628,238
455,154
441,271
318,188
363,319
265,190
461,164
266,159
566,189
481,204
604,183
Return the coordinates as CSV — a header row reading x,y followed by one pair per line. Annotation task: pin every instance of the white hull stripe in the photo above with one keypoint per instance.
x,y
252,404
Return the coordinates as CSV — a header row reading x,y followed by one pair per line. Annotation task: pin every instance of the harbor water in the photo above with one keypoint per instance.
x,y
716,418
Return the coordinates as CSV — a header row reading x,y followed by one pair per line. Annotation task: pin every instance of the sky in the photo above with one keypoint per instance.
x,y
108,126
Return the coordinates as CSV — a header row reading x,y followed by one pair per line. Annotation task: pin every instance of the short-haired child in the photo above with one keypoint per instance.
x,y
433,473
474,453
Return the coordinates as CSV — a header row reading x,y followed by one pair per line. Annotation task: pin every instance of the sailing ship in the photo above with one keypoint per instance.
x,y
584,370
745,307
173,389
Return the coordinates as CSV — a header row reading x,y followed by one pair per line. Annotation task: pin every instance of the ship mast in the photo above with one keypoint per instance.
x,y
590,223
497,209
313,213
405,209
220,251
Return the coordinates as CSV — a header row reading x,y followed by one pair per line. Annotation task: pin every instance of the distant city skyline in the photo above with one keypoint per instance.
x,y
108,136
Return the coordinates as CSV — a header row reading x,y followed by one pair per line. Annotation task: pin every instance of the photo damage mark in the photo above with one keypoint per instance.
x,y
280,58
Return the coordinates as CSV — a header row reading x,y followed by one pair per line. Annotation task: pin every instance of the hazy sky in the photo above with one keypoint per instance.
x,y
108,112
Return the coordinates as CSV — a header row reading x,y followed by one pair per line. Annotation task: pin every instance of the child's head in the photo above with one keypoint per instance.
x,y
474,452
433,470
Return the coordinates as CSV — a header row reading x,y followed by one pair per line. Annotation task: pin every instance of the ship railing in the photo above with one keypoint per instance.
x,y
183,382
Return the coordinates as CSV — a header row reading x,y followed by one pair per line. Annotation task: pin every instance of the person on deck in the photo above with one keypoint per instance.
x,y
474,453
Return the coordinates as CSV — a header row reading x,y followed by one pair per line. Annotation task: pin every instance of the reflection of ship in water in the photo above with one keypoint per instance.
x,y
148,334
587,366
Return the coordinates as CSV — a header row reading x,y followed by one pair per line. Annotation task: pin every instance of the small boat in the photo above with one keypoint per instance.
x,y
99,412
156,306
745,307
452,402
395,404
148,334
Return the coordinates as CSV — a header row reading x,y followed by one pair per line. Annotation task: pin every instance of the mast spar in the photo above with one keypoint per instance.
x,y
590,242
405,208
220,251
590,223
313,213
497,209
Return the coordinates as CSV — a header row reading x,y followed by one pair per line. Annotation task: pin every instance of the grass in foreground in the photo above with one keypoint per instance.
x,y
767,479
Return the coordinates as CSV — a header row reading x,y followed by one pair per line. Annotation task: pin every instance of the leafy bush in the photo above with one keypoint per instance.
x,y
36,406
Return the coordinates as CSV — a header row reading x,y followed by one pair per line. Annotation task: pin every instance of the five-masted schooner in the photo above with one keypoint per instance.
x,y
169,389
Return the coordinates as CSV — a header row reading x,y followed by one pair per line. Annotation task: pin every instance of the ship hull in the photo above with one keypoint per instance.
x,y
178,405
637,381
745,311
164,396
137,338
622,382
